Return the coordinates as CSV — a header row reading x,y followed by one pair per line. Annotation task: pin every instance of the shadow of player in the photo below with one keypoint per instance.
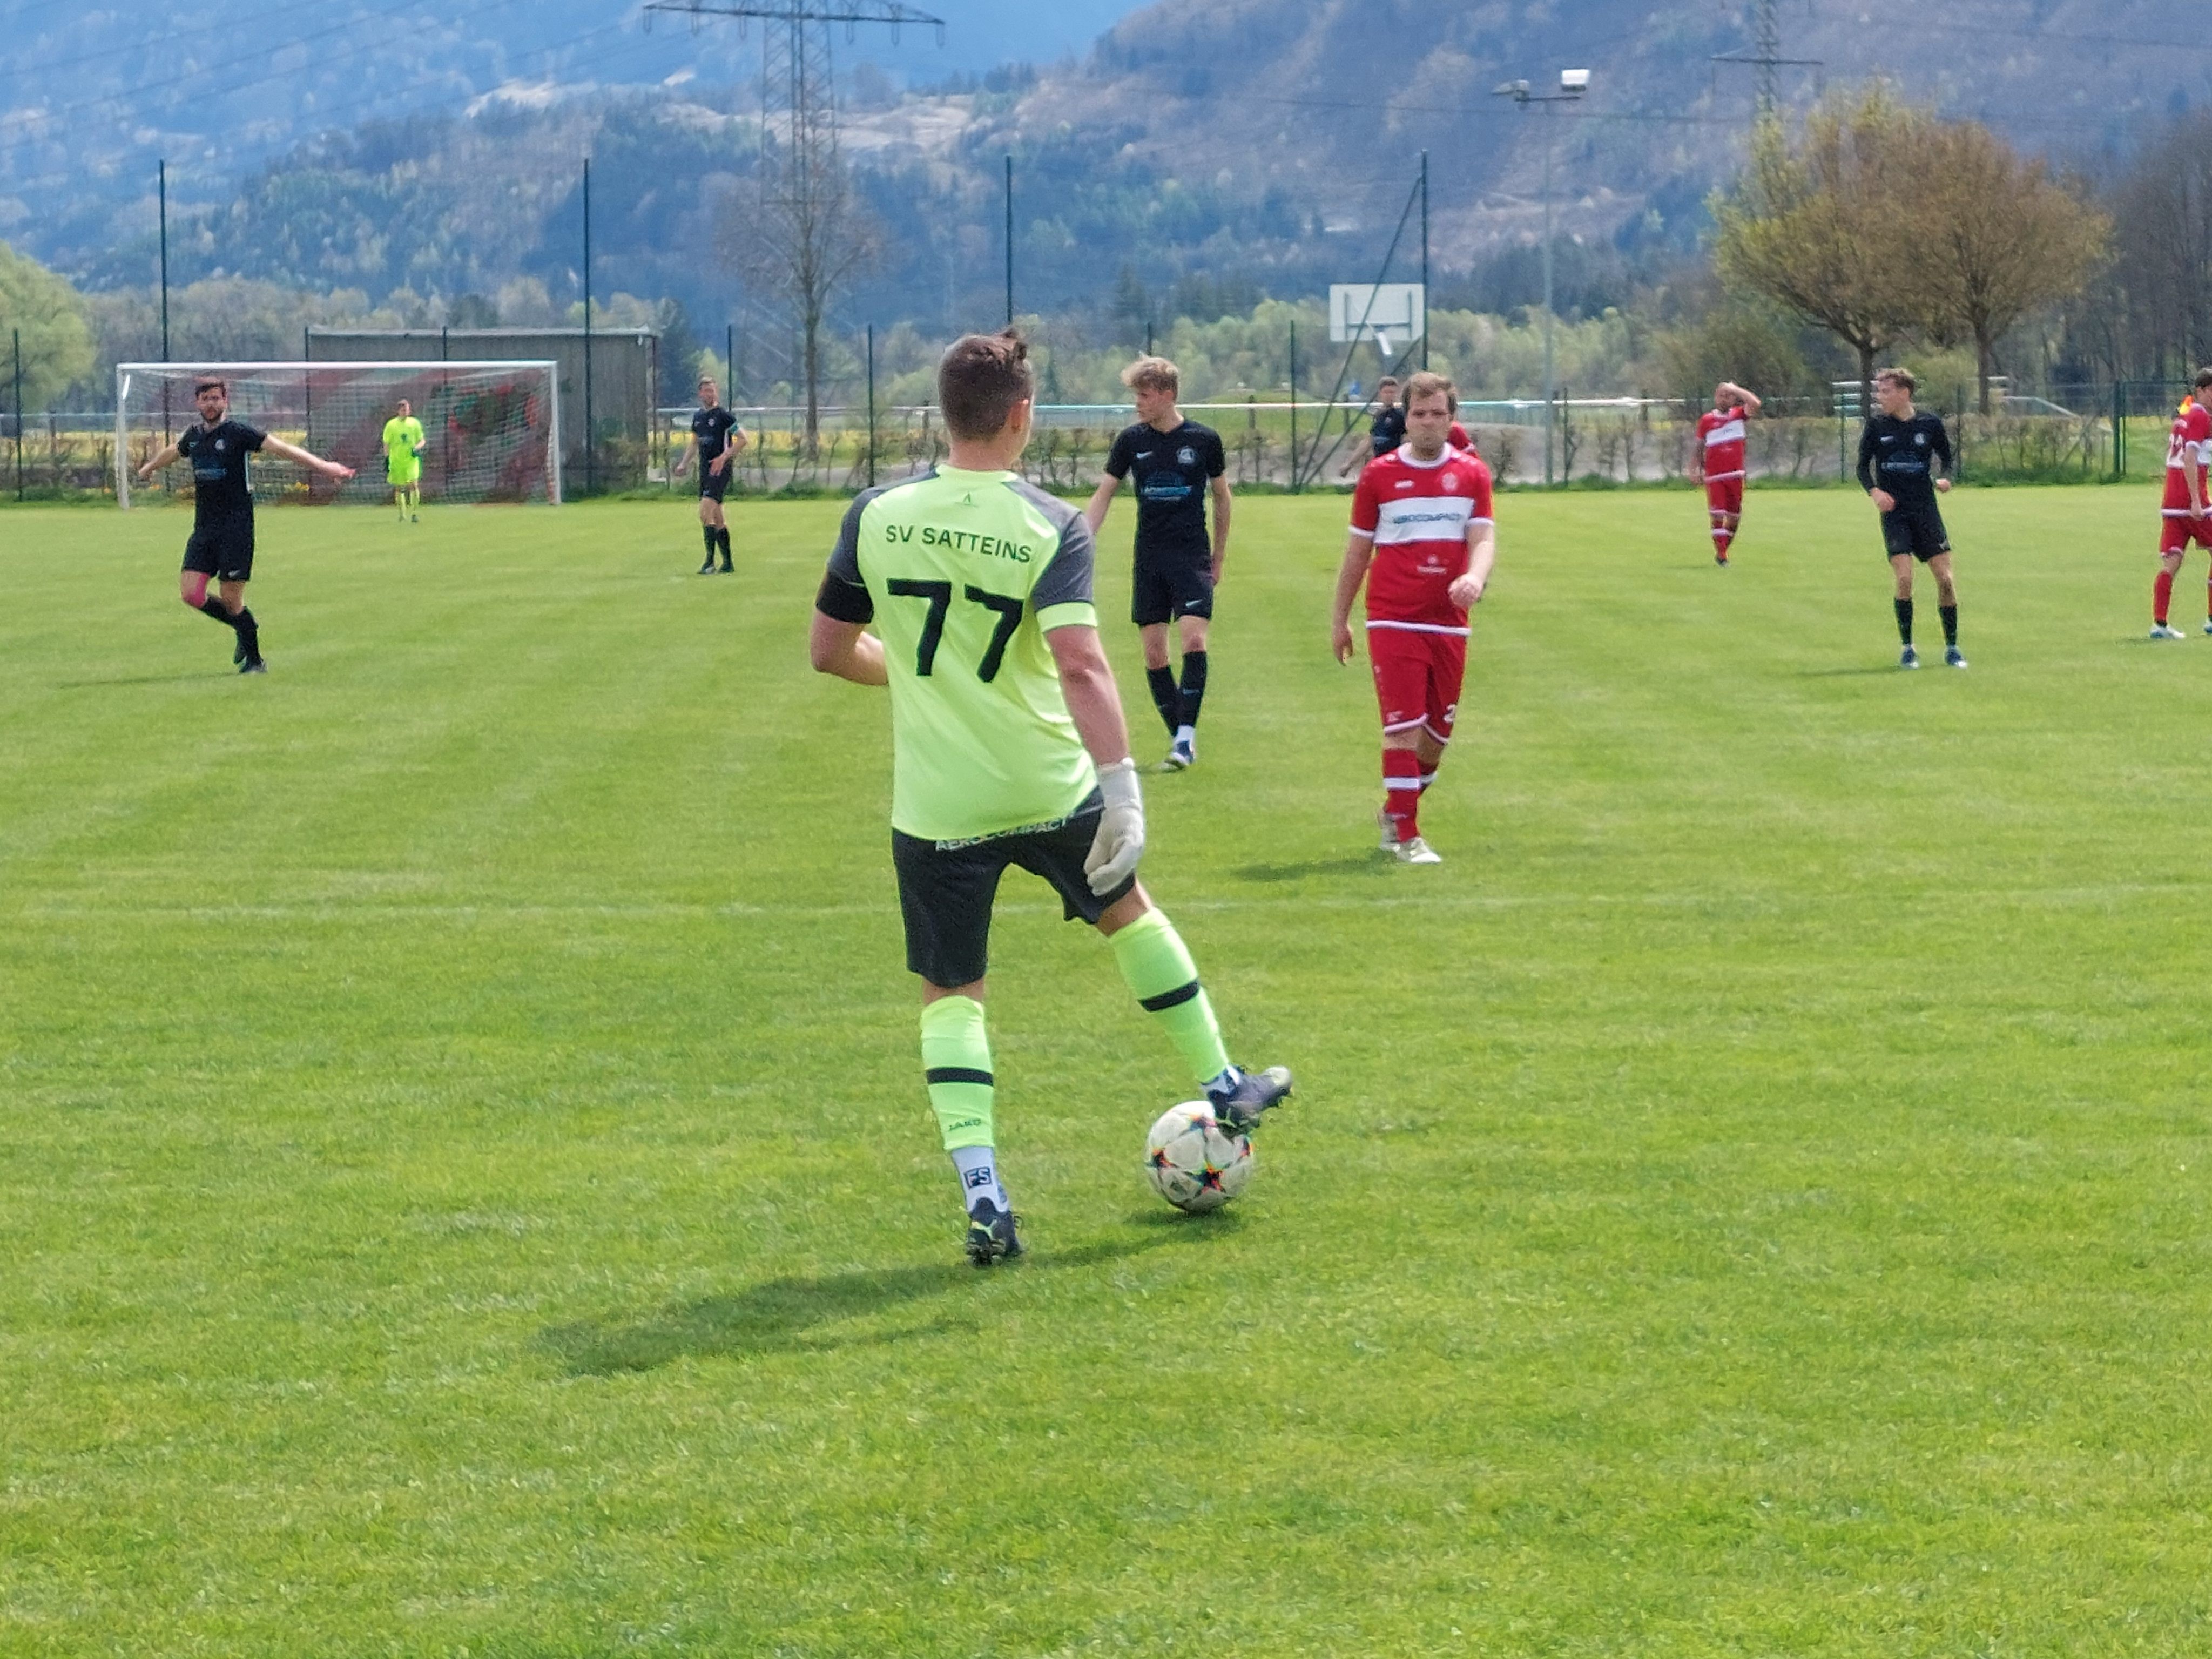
x,y
1351,864
780,1316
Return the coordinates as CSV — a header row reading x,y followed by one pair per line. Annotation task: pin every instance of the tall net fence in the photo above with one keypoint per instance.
x,y
491,430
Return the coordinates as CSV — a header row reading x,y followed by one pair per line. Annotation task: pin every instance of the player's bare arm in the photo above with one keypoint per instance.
x,y
1747,400
161,458
1101,502
684,461
1220,527
1469,585
1359,554
300,457
738,439
1094,701
847,650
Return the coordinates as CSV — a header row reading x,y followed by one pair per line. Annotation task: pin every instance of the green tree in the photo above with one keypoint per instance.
x,y
1998,238
1825,227
56,344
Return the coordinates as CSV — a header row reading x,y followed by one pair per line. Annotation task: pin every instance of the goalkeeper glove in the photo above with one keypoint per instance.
x,y
1120,841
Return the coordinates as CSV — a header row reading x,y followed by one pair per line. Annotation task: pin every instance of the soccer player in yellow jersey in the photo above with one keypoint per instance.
x,y
403,444
1009,747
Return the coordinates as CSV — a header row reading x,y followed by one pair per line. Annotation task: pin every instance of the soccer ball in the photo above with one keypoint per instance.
x,y
1194,1161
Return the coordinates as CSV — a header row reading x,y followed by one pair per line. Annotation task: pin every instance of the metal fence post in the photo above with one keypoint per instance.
x,y
19,413
1294,409
871,405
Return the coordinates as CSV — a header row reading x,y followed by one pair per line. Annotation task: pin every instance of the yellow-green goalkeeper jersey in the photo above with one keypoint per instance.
x,y
963,573
403,436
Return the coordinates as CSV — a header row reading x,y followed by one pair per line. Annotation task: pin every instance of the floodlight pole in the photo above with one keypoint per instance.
x,y
871,405
19,413
591,432
1424,262
1010,241
1571,92
161,184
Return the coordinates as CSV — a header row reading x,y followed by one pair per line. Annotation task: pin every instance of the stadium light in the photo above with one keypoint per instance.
x,y
1573,83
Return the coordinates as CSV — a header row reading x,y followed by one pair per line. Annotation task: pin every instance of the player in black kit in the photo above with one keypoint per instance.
x,y
1904,460
1386,430
716,438
1177,464
221,544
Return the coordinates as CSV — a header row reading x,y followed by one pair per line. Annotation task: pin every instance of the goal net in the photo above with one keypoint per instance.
x,y
491,430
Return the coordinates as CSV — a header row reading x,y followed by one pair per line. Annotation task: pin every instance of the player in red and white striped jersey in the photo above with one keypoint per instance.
x,y
1423,542
1720,461
2184,511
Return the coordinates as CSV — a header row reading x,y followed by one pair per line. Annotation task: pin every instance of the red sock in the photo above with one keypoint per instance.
x,y
2161,597
1722,536
1401,791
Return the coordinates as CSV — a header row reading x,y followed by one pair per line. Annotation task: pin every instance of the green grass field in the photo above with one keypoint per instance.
x,y
465,1184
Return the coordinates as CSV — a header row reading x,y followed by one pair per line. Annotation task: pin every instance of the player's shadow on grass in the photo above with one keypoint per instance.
x,y
137,679
782,1316
1348,864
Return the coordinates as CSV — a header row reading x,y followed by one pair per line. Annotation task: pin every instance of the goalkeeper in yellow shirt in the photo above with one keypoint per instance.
x,y
404,444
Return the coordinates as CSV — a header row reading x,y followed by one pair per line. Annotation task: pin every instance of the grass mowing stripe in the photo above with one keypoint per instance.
x,y
466,1180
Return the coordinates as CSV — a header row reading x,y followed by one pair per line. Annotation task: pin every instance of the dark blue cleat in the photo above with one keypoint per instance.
x,y
991,1235
1241,1104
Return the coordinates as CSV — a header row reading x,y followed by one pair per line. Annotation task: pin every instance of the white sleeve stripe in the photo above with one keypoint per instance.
x,y
1364,535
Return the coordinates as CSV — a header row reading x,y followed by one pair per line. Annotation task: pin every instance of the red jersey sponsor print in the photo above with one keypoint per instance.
x,y
1417,514
2190,445
1721,432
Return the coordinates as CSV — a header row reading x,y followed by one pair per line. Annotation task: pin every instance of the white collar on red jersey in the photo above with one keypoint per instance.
x,y
1404,452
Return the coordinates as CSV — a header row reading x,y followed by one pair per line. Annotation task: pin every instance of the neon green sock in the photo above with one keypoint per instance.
x,y
955,1059
1165,980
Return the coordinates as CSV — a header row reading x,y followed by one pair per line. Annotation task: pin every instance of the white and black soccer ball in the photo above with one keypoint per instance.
x,y
1194,1160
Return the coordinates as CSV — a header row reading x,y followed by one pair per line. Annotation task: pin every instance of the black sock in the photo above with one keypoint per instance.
x,y
707,531
1193,685
1165,697
1950,615
1903,619
215,607
249,636
722,536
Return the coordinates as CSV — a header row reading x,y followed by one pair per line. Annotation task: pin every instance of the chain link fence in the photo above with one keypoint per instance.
x,y
2077,433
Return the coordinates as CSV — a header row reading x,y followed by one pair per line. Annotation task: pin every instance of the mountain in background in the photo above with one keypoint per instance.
x,y
1218,147
91,97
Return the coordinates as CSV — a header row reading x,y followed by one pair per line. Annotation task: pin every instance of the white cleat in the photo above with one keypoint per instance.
x,y
2160,631
1389,841
1416,851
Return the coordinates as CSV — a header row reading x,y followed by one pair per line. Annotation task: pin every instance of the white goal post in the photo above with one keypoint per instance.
x,y
491,428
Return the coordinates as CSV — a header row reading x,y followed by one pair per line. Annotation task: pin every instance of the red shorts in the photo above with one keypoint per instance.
x,y
2180,530
1417,677
1725,494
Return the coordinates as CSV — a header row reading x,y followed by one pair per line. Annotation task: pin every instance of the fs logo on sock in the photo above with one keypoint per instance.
x,y
978,1178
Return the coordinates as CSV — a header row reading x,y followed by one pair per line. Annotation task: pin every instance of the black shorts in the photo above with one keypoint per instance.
x,y
1167,587
713,484
945,889
1915,530
224,551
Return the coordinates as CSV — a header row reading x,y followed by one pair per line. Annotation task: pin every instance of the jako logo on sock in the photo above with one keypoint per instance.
x,y
980,1176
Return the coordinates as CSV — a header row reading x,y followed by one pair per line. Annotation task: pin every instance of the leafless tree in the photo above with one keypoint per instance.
x,y
801,240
